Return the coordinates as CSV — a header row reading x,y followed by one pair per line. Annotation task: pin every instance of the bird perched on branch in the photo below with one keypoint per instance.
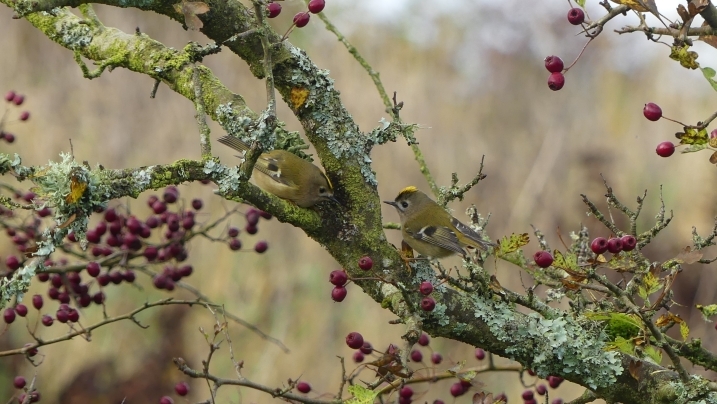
x,y
430,230
287,176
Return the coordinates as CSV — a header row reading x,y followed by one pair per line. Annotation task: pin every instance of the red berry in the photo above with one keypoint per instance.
x,y
301,19
47,320
19,382
541,389
182,388
9,96
354,340
252,217
37,301
93,269
424,339
426,288
338,277
557,401
235,244
652,111
405,391
358,357
21,310
185,270
9,315
233,232
436,358
599,245
531,372
438,401
527,395
12,262
9,137
251,229
457,389
98,297
197,204
713,134
543,259
416,355
303,387
428,303
24,116
629,242
338,293
273,9
366,348
556,81
365,263
316,6
554,381
614,245
480,354
554,64
665,149
62,316
261,247
19,99
159,207
166,400
576,16
30,352
73,316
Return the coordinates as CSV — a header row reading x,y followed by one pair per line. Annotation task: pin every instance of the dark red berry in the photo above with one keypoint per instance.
x,y
554,64
37,301
438,401
62,316
629,242
9,96
652,111
43,277
531,372
110,215
19,99
557,401
265,215
480,354
73,315
185,270
160,281
428,303
273,9
416,355
64,297
151,200
12,262
182,388
93,269
84,300
74,277
405,391
614,245
104,279
150,253
9,315
354,340
599,245
543,259
541,389
53,293
261,247
30,352
316,6
527,395
166,400
665,149
47,320
436,358
197,204
129,276
19,382
554,381
426,288
98,297
338,293
531,401
424,339
358,357
170,195
21,310
152,222
233,232
159,207
235,244
338,277
457,389
301,19
251,229
556,81
116,277
25,115
366,348
9,137
303,387
365,263
576,16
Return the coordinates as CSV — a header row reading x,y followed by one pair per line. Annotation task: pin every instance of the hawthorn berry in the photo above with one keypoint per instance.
x,y
576,16
37,301
406,392
338,293
416,355
25,115
12,262
358,357
316,6
19,382
428,303
47,320
365,263
9,315
62,316
557,401
261,247
614,245
527,395
21,310
426,288
665,149
73,315
338,277
599,245
301,19
556,81
197,204
652,111
303,387
554,64
166,400
251,229
354,340
93,269
235,244
9,96
273,9
424,339
629,242
181,388
543,259
480,354
457,389
366,348
541,389
436,358
554,381
98,297
232,232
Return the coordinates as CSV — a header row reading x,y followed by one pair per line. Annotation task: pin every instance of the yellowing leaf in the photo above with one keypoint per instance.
x,y
693,136
512,243
361,395
634,368
568,262
650,285
636,5
684,331
668,319
686,57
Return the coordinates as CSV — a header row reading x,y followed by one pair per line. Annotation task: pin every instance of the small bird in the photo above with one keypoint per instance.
x,y
287,176
430,230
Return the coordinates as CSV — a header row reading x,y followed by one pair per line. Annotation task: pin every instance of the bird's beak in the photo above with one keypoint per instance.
x,y
392,203
334,200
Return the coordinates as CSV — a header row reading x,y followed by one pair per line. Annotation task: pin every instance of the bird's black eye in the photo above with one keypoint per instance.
x,y
404,204
322,190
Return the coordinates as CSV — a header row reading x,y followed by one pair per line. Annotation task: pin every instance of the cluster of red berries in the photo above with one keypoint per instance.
x,y
14,99
339,278
554,382
273,9
554,64
181,388
19,382
653,112
599,245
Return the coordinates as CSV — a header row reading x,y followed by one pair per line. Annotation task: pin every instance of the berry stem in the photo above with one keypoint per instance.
x,y
580,54
678,122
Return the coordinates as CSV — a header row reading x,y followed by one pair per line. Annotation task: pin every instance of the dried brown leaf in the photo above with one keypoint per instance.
x,y
634,368
688,256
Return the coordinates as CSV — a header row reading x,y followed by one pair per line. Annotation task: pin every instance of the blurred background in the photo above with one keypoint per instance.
x,y
470,74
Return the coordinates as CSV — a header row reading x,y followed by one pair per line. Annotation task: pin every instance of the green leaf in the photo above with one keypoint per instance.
x,y
684,330
581,3
623,345
707,311
709,74
361,395
619,325
653,354
694,148
567,262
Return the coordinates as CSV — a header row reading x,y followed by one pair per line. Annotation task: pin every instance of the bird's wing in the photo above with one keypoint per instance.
x,y
471,234
439,236
269,164
234,143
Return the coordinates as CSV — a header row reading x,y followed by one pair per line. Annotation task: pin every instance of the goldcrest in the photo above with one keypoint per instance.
x,y
287,176
430,230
